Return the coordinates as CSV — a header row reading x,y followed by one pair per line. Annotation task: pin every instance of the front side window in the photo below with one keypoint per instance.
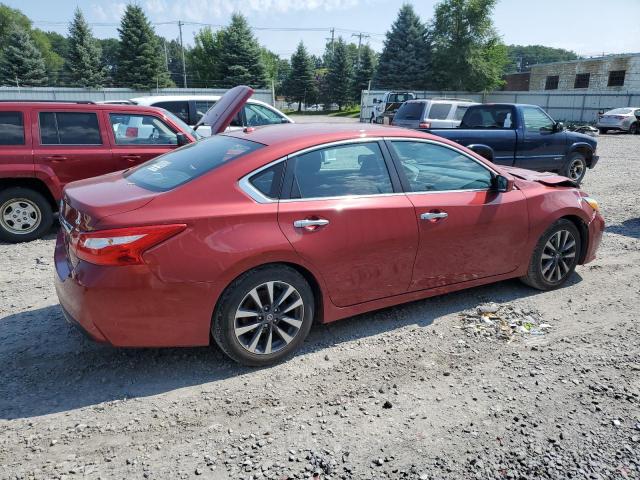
x,y
138,129
11,128
179,109
344,170
256,115
536,120
69,128
439,111
184,164
434,168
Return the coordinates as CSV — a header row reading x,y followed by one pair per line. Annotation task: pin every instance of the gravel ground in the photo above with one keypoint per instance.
x,y
532,385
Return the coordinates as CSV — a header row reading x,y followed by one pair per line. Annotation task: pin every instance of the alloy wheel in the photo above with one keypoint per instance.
x,y
20,216
269,317
576,170
558,256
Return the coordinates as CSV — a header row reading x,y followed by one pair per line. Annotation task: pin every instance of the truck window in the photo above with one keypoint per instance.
x,y
492,116
11,128
410,111
69,128
535,119
439,111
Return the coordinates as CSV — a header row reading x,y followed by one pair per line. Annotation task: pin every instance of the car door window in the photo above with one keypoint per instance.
x,y
434,168
202,107
488,117
179,109
11,128
256,115
460,111
439,111
536,120
355,169
268,181
138,129
69,128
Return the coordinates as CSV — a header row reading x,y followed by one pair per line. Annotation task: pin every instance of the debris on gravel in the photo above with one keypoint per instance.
x,y
504,322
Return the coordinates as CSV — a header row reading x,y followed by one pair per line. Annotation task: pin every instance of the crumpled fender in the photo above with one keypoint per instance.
x,y
546,178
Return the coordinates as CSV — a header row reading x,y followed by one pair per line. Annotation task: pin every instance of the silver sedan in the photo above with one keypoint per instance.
x,y
622,119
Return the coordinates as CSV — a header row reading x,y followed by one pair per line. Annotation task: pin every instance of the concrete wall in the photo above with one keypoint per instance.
x,y
562,106
598,68
51,93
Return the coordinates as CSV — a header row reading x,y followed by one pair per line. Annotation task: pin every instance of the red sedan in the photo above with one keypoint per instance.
x,y
250,236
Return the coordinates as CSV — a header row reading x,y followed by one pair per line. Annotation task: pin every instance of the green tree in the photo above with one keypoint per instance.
x,y
522,57
364,71
22,63
84,62
468,53
239,61
140,64
203,57
340,75
300,85
171,54
110,48
405,60
10,17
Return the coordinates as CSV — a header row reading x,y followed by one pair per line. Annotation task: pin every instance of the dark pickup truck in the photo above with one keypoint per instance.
x,y
523,136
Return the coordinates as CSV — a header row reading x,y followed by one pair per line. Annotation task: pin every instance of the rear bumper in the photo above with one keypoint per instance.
x,y
130,306
612,127
595,229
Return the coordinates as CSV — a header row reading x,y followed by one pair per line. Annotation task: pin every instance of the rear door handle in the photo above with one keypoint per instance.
x,y
56,158
131,158
433,215
310,224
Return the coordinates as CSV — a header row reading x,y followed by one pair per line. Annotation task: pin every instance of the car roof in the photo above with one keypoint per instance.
x,y
296,136
25,104
440,100
177,98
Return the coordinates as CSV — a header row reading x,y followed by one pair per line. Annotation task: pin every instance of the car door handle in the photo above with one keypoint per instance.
x,y
56,158
131,158
310,224
433,215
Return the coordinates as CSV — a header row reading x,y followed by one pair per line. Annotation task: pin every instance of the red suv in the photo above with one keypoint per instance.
x,y
45,145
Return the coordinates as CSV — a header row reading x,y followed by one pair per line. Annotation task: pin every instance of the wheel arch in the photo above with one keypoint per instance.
x,y
32,184
584,149
583,229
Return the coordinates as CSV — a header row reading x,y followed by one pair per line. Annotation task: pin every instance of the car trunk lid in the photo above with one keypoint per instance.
x,y
220,115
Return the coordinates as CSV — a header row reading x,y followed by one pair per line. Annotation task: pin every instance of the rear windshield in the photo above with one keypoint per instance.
x,y
183,165
410,111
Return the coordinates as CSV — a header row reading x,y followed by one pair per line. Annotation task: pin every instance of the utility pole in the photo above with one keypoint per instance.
x,y
166,55
360,37
333,33
184,66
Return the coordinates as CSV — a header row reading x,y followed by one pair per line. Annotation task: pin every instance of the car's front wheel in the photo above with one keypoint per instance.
x,y
24,215
555,257
575,168
634,129
264,315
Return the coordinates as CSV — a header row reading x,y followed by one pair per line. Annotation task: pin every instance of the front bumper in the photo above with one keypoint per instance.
x,y
594,161
595,230
130,306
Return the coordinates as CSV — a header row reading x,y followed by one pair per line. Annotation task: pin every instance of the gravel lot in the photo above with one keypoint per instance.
x,y
421,391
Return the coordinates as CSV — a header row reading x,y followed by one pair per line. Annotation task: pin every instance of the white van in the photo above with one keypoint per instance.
x,y
426,113
190,109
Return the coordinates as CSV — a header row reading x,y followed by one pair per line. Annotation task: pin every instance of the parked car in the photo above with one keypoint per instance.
x,y
45,145
620,119
191,108
524,136
431,113
385,108
247,237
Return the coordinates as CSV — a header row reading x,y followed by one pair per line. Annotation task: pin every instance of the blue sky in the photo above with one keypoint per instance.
x,y
589,27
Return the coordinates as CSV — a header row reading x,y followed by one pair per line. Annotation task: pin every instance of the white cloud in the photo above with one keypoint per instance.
x,y
111,13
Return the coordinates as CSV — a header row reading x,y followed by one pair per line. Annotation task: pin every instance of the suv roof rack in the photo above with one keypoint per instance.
x,y
452,99
83,102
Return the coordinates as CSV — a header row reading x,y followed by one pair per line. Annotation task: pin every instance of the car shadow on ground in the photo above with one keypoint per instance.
x,y
48,366
628,228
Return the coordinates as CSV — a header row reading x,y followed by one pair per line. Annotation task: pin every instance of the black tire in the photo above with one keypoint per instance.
x,y
223,325
537,276
38,208
634,129
603,130
575,168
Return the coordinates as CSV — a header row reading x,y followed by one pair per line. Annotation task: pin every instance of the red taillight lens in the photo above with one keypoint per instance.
x,y
121,246
424,125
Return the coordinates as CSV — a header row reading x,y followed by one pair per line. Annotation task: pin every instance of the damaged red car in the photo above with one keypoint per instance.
x,y
250,236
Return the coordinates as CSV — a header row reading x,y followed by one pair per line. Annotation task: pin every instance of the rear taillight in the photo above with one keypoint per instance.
x,y
121,246
424,125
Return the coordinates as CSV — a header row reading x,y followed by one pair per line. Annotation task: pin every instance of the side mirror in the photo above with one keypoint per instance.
x,y
558,127
482,150
502,184
182,139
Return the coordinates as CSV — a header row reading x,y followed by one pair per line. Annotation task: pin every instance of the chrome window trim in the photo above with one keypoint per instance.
x,y
247,187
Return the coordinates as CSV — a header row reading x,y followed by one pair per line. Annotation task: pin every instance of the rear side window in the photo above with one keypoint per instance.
x,y
179,109
488,117
11,128
183,165
69,128
269,180
439,111
460,111
410,111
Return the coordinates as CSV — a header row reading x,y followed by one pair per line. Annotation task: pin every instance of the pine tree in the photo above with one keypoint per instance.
x,y
140,64
203,57
22,63
339,76
405,59
468,53
300,85
364,71
239,61
84,56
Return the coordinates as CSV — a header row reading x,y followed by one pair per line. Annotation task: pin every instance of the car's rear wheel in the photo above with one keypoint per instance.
x,y
575,168
264,315
634,129
555,257
24,215
603,130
